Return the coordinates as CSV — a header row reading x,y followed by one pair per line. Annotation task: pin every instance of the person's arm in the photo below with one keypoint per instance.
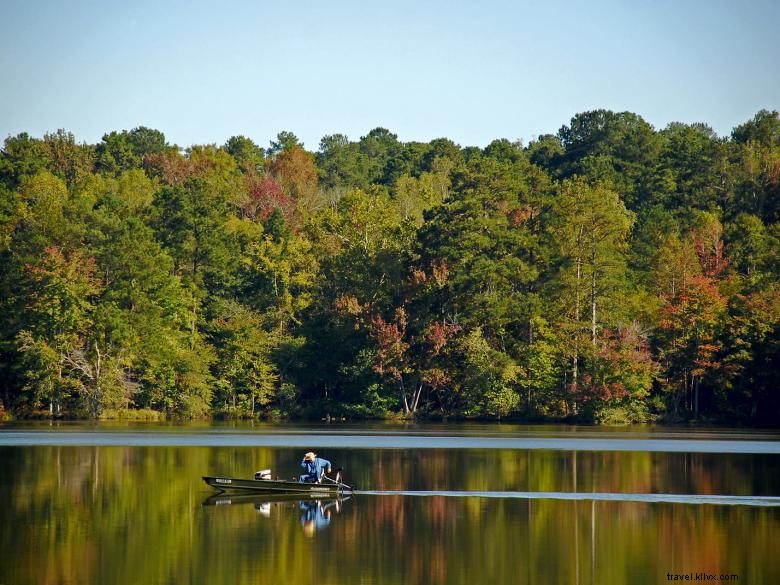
x,y
326,465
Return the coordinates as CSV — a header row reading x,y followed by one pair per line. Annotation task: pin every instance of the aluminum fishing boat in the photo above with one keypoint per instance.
x,y
264,484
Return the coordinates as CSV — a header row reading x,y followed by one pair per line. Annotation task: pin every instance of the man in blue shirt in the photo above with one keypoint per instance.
x,y
314,466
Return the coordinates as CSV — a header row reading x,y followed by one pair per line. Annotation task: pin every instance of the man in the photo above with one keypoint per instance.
x,y
313,466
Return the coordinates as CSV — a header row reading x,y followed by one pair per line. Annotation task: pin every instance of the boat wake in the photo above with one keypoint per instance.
x,y
712,499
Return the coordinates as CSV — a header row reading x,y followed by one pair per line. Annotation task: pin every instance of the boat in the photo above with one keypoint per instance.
x,y
265,485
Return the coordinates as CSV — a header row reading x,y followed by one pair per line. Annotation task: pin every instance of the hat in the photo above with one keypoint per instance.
x,y
309,456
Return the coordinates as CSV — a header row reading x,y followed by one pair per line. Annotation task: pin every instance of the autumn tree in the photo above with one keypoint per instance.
x,y
293,169
691,313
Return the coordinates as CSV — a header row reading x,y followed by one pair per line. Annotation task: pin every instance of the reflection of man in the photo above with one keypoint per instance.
x,y
264,509
314,467
315,516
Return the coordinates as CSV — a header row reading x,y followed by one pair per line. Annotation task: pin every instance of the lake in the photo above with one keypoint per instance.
x,y
437,504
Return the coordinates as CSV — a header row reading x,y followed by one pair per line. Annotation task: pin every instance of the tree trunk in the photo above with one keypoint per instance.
x,y
417,394
403,394
194,323
57,398
593,306
98,366
575,359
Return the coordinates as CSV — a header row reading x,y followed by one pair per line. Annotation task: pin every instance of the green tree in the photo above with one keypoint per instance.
x,y
654,224
697,162
248,156
486,238
280,272
341,164
191,221
542,368
22,156
363,241
381,147
245,375
746,386
751,246
756,176
546,151
115,154
488,381
415,196
285,140
55,337
361,245
591,227
764,129
44,216
618,148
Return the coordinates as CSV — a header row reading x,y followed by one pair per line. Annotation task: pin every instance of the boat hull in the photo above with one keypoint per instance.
x,y
276,486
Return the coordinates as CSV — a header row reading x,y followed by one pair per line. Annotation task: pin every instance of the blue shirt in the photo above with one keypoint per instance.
x,y
315,514
314,468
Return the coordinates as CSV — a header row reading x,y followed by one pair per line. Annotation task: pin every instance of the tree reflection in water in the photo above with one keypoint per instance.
x,y
124,514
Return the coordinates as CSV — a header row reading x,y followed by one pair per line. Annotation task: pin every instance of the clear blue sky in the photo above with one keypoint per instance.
x,y
471,71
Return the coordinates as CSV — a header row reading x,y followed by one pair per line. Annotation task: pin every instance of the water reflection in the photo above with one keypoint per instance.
x,y
74,515
315,512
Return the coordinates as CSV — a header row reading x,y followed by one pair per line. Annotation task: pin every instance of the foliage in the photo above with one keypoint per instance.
x,y
611,272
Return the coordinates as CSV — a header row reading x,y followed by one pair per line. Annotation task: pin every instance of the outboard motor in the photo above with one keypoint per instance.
x,y
263,474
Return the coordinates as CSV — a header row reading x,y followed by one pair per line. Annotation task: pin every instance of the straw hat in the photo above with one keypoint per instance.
x,y
309,456
309,528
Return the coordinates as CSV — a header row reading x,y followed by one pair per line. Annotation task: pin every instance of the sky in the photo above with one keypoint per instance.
x,y
471,71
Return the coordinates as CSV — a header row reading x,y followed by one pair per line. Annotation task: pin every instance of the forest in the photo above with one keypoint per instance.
x,y
610,273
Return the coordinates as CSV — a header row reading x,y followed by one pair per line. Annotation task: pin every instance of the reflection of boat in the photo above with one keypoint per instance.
x,y
258,499
316,510
325,487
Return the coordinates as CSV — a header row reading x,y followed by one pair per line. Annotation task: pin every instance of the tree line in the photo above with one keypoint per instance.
x,y
610,272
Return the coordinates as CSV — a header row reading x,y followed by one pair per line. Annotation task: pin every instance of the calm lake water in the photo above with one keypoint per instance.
x,y
470,504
